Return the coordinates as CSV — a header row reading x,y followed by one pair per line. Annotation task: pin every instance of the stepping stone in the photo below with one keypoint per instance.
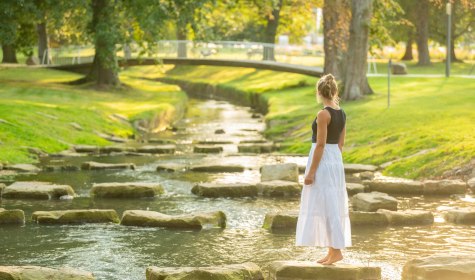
x,y
284,171
126,190
53,168
297,270
461,216
245,271
2,186
43,273
76,216
471,184
37,190
171,167
371,202
219,131
361,218
157,149
440,267
366,175
86,149
254,141
92,165
358,168
217,168
225,190
214,142
396,186
284,220
353,178
161,141
208,149
256,148
113,149
198,220
408,217
12,217
279,188
444,187
353,188
23,167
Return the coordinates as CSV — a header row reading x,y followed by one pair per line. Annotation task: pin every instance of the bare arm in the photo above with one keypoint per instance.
x,y
341,141
323,118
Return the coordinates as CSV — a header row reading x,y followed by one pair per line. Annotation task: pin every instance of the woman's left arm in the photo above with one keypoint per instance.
x,y
323,118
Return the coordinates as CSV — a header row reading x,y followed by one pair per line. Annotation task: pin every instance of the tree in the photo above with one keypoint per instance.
x,y
421,21
272,18
356,83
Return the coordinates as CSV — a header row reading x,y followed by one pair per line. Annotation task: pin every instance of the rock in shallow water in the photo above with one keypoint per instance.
x,y
441,187
157,149
396,186
351,168
217,168
126,190
225,190
244,271
461,216
295,270
36,190
12,217
209,149
373,201
186,221
440,267
92,165
76,216
354,188
285,220
284,171
23,168
279,188
256,148
42,273
408,217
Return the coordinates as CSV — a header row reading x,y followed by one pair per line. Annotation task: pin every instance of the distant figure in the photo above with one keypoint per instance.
x,y
323,218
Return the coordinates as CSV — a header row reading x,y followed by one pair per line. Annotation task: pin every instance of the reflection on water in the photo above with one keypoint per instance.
x,y
118,252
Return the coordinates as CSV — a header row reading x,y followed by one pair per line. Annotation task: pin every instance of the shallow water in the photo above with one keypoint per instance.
x,y
119,252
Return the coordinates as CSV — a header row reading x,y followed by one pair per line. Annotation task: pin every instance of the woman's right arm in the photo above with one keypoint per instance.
x,y
341,141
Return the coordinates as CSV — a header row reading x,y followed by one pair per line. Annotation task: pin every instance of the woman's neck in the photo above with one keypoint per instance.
x,y
329,104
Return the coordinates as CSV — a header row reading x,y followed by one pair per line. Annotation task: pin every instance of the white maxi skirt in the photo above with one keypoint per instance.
x,y
323,217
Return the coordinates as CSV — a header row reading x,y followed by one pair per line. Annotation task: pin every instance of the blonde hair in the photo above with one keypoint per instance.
x,y
328,88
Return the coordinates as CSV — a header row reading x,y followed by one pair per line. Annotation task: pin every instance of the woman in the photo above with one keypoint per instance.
x,y
323,218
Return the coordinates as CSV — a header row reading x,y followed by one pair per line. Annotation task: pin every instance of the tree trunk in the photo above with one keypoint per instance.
x,y
422,32
9,54
356,82
271,32
43,54
336,18
104,70
408,53
181,37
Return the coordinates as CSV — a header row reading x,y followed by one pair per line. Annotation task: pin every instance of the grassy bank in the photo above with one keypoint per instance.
x,y
434,115
37,109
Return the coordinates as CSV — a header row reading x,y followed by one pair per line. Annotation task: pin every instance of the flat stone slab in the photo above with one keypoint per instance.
x,y
199,220
362,218
354,188
254,141
214,142
279,188
358,168
440,267
37,190
115,149
208,149
444,187
371,202
92,165
43,273
217,168
81,216
284,220
161,141
471,184
12,217
126,190
256,148
461,216
408,217
157,149
171,167
396,186
284,171
225,190
86,149
247,271
297,270
23,167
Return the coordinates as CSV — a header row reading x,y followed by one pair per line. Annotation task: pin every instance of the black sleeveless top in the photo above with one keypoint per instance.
x,y
334,128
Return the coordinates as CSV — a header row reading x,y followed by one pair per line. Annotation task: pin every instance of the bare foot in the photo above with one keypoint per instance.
x,y
336,256
324,259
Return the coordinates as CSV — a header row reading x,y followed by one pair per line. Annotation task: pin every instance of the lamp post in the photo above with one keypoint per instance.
x,y
449,21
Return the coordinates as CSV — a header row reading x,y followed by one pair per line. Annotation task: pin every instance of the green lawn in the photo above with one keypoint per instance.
x,y
38,109
433,114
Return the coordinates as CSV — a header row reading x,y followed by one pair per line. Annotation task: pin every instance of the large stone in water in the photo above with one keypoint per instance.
x,y
461,216
256,148
351,168
37,190
86,149
279,188
354,188
284,171
285,220
373,201
114,149
408,217
296,270
438,187
157,149
80,216
186,221
42,273
244,271
361,218
217,168
214,142
396,186
2,186
23,167
471,184
440,267
208,149
126,190
92,165
12,217
225,190
171,167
